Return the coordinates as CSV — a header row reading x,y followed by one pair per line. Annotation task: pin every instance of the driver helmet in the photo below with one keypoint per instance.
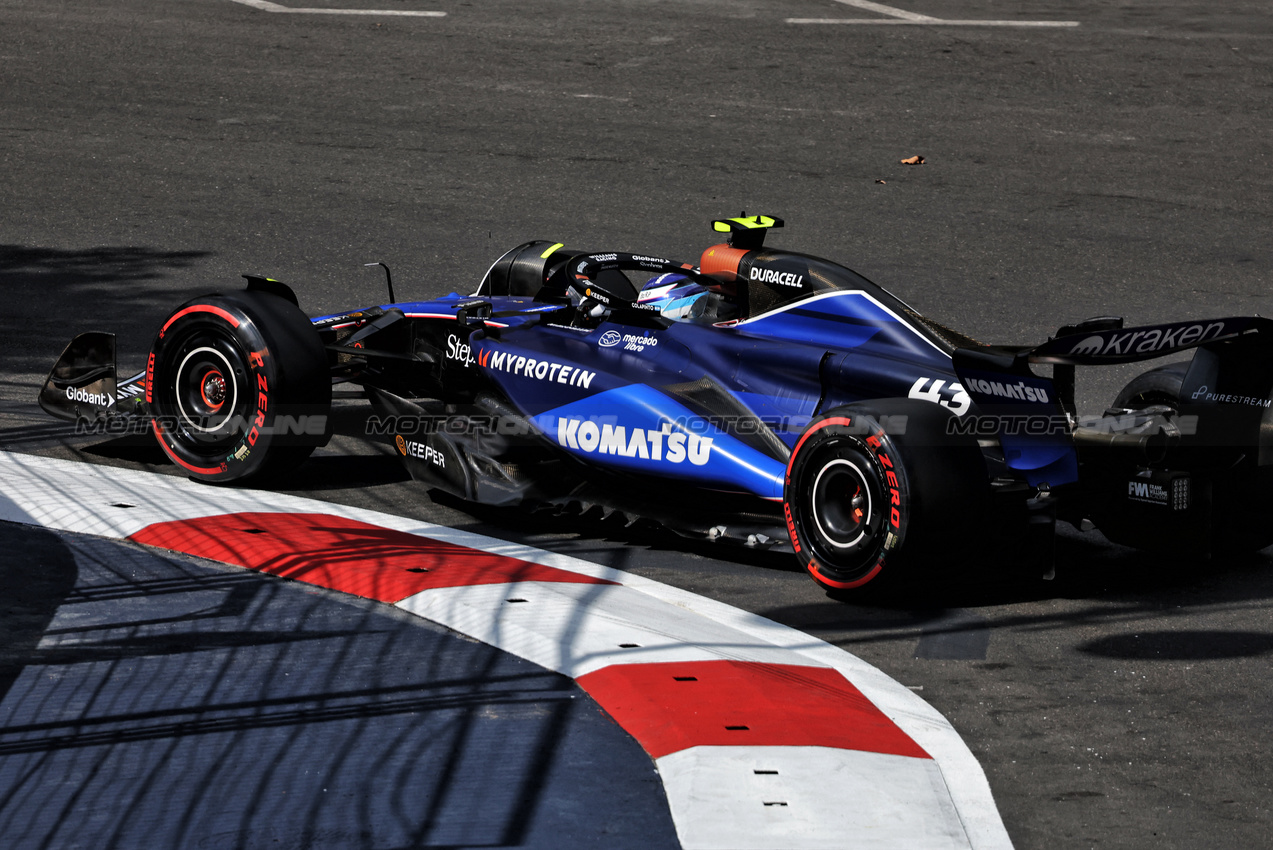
x,y
676,296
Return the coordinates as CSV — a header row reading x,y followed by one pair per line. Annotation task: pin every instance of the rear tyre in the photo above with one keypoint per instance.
x,y
238,386
1242,497
1157,386
867,506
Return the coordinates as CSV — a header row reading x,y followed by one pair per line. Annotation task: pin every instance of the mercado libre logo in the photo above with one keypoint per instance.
x,y
609,339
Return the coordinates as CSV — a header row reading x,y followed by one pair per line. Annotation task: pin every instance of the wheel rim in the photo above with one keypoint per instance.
x,y
206,391
202,397
843,508
842,504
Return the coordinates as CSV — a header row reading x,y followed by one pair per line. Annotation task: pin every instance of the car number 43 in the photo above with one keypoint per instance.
x,y
948,394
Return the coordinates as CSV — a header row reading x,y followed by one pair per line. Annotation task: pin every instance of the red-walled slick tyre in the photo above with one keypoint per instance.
x,y
877,493
238,386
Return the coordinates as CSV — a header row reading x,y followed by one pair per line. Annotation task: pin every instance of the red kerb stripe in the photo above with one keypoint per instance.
x,y
344,554
672,706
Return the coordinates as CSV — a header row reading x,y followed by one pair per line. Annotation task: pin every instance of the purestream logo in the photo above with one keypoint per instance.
x,y
1204,394
663,445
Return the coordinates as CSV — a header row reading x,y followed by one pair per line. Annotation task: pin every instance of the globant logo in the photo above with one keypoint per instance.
x,y
100,399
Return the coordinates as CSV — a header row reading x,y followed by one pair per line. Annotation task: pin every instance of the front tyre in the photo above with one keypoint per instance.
x,y
238,386
877,493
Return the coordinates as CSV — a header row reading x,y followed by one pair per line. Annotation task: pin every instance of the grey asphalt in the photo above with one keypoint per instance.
x,y
154,150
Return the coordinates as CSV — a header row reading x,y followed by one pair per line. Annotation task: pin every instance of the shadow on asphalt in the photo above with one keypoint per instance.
x,y
37,573
43,286
149,700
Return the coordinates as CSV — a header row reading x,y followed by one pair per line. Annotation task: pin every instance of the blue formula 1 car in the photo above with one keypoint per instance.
x,y
759,395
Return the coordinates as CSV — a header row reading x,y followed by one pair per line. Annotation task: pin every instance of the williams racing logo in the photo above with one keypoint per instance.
x,y
664,445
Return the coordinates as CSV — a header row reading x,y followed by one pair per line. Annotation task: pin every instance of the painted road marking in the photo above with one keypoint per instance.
x,y
266,6
887,10
902,17
736,774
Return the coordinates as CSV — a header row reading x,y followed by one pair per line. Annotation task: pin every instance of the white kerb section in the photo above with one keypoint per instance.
x,y
720,796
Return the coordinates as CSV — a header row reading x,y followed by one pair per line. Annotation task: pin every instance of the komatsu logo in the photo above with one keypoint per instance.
x,y
663,445
771,276
1020,391
1148,341
99,399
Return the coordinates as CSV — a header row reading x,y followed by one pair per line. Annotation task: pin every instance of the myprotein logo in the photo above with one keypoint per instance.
x,y
772,276
664,444
530,367
1148,341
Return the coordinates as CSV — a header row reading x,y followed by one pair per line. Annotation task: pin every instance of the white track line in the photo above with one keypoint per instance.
x,y
266,6
887,10
901,17
932,23
761,797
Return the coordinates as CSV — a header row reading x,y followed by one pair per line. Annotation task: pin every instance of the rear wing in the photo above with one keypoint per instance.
x,y
1033,416
1101,342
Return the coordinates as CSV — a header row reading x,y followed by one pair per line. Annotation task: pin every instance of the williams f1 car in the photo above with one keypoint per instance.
x,y
756,395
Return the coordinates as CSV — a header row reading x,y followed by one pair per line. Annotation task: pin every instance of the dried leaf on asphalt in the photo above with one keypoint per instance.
x,y
913,160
